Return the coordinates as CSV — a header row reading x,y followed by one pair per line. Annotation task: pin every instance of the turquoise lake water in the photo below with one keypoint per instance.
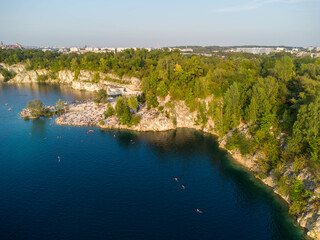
x,y
120,184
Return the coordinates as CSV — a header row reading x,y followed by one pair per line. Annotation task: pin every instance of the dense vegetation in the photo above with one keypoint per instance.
x,y
7,74
277,96
124,110
37,109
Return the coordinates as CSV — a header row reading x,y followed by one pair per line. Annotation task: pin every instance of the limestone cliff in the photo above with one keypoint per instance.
x,y
84,80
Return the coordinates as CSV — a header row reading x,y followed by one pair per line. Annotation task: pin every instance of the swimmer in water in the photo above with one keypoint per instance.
x,y
183,186
176,179
199,211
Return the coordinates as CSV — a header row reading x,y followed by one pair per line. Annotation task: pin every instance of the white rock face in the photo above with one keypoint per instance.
x,y
128,86
66,76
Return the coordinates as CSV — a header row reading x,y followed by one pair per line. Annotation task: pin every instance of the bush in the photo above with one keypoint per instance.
x,y
122,110
239,141
42,78
52,75
174,121
36,108
101,122
100,96
141,98
284,185
60,106
133,103
110,111
96,78
299,163
7,74
136,119
298,196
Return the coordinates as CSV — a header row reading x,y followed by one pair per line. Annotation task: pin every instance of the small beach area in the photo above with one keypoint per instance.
x,y
82,113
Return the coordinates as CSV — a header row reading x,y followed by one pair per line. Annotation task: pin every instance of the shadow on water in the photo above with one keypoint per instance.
x,y
38,127
189,144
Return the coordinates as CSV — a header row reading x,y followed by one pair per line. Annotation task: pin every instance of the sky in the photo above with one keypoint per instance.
x,y
148,23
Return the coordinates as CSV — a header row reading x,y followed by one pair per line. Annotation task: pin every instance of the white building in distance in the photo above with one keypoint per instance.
x,y
74,49
108,50
255,50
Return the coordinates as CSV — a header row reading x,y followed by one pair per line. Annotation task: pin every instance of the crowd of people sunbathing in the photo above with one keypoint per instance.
x,y
82,113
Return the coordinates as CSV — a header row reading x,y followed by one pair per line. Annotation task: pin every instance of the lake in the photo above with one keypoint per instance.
x,y
112,184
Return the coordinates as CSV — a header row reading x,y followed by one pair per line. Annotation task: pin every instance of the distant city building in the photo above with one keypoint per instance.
x,y
310,48
121,49
16,46
255,50
63,50
186,50
74,49
108,50
318,49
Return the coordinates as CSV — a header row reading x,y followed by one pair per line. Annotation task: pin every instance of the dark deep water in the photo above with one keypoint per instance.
x,y
119,184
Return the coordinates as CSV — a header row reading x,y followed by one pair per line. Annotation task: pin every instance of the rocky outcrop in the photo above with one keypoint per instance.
x,y
178,116
23,76
84,81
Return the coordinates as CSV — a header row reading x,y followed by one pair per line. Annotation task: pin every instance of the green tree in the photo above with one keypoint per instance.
x,y
306,130
36,108
232,107
284,68
162,89
123,111
133,103
60,106
100,96
151,99
96,78
109,112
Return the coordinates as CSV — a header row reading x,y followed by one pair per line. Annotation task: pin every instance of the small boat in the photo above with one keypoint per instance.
x,y
91,131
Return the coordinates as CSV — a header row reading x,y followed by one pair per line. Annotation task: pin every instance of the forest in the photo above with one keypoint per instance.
x,y
276,95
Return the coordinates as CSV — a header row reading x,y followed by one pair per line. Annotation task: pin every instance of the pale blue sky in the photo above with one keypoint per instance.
x,y
142,23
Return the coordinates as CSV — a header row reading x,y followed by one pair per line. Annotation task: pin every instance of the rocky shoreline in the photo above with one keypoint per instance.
x,y
84,81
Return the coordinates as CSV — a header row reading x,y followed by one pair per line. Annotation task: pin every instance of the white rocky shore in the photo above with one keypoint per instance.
x,y
126,85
